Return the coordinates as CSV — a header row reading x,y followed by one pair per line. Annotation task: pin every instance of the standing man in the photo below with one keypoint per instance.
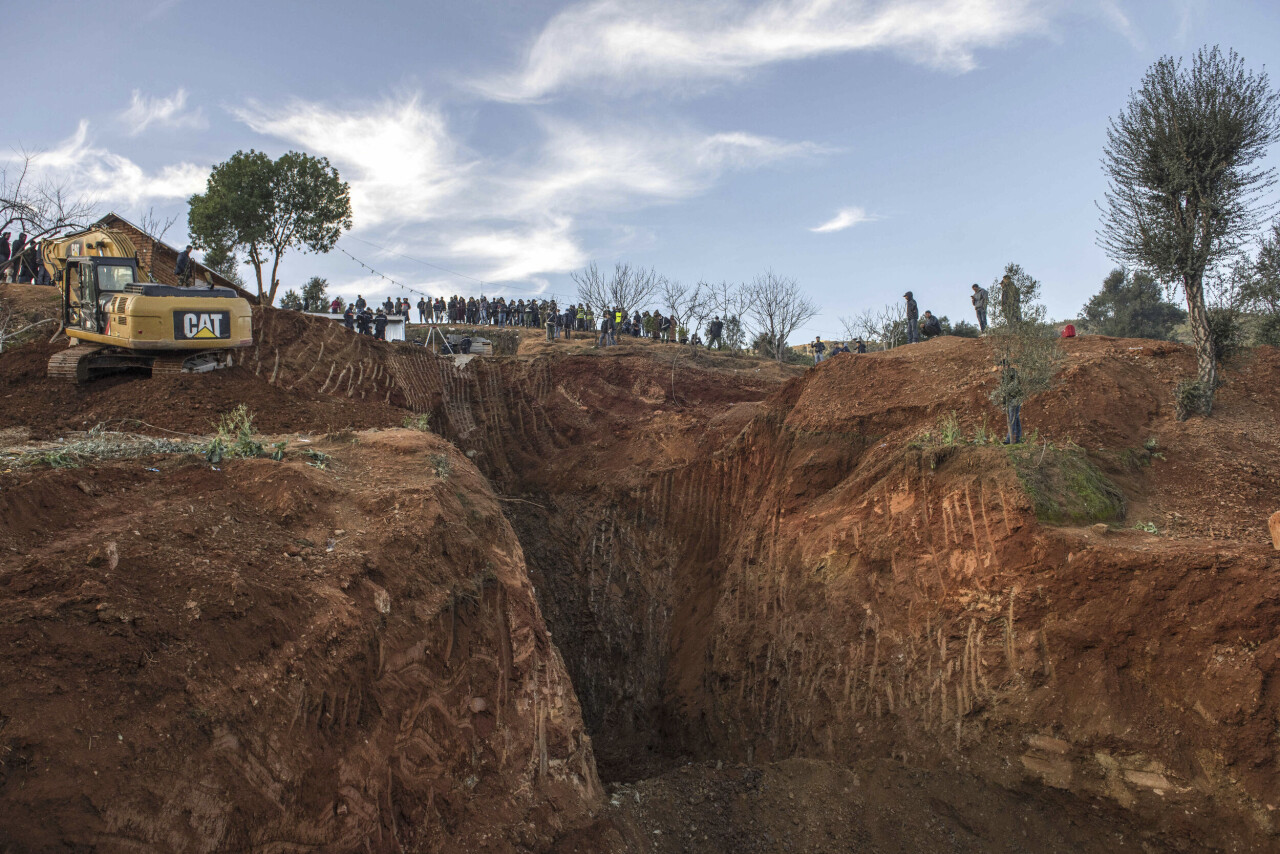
x,y
713,333
1008,393
380,325
422,309
360,302
913,319
349,318
1010,300
979,300
182,267
818,349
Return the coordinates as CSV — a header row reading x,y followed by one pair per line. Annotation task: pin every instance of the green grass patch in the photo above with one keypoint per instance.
x,y
1065,487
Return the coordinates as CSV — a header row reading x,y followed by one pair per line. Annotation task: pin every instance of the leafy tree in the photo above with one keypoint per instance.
x,y
266,207
315,294
1184,188
1028,298
733,335
1028,356
291,300
1260,291
221,259
1131,304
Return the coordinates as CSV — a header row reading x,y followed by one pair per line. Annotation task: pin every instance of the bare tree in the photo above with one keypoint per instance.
x,y
41,208
778,309
730,303
155,225
885,327
1185,191
689,305
627,289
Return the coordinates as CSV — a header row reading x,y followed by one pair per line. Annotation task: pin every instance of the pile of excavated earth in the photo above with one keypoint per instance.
x,y
637,599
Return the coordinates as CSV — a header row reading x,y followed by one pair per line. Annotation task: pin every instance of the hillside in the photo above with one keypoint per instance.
x,y
638,558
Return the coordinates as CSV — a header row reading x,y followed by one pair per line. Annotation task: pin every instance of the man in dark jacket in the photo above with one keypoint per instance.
x,y
930,326
182,267
360,303
979,300
349,318
913,319
28,261
11,271
380,325
364,321
818,349
714,332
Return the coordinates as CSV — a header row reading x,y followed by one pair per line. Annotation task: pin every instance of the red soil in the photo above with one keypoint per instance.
x,y
734,565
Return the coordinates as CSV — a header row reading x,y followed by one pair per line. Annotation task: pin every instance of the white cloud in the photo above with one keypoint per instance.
x,y
517,254
635,44
102,175
844,218
504,218
170,112
399,158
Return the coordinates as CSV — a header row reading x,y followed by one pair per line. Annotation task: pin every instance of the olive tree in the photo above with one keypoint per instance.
x,y
265,207
1185,185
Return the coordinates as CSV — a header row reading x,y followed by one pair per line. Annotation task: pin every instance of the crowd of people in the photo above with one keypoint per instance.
x,y
20,260
360,316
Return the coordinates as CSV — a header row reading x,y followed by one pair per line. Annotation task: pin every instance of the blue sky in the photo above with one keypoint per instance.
x,y
865,148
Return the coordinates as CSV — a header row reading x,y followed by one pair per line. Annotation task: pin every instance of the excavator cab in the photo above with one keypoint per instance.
x,y
89,285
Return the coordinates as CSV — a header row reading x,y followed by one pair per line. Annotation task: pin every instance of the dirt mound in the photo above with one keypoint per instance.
x,y
270,654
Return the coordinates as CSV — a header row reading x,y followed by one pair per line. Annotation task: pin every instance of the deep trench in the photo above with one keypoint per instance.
x,y
603,581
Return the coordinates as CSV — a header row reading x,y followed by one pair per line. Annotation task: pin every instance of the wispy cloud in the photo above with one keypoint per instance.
x,y
1116,18
100,174
171,112
1188,13
506,218
844,218
636,44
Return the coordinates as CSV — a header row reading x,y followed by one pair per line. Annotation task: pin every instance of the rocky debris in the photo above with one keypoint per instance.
x,y
1274,524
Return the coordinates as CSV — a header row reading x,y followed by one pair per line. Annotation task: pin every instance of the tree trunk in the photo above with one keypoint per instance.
x,y
257,269
1202,335
275,282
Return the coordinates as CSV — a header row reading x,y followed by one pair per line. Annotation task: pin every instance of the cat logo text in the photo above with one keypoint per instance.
x,y
195,325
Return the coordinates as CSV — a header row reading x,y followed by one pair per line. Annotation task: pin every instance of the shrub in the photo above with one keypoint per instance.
x,y
1191,398
420,421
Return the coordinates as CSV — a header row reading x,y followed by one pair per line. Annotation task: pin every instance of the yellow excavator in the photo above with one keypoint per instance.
x,y
116,321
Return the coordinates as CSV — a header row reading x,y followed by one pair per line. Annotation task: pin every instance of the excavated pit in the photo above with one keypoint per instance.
x,y
781,580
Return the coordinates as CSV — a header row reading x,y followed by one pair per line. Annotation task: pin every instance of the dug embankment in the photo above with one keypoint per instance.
x,y
822,586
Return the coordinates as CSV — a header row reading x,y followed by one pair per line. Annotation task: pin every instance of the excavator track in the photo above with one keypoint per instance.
x,y
191,363
73,363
